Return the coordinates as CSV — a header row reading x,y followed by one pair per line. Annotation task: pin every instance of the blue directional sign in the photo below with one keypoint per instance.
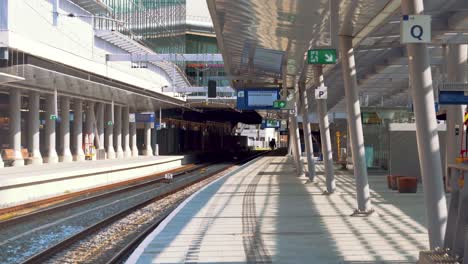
x,y
453,97
144,117
271,123
257,98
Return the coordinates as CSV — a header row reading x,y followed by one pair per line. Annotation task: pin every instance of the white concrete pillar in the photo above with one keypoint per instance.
x,y
118,132
355,126
426,132
296,137
51,107
148,151
126,132
89,131
34,120
78,130
133,139
292,142
65,153
109,132
15,126
325,138
307,131
100,125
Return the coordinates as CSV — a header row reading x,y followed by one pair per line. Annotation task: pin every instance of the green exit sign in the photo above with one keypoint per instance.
x,y
110,123
279,104
321,56
53,117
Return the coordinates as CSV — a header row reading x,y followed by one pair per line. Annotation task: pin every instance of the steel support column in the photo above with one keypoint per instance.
x,y
292,143
65,153
325,139
426,132
296,136
51,110
457,71
354,121
33,127
15,126
307,131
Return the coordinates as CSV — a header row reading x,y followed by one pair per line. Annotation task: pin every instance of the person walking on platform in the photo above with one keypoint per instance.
x,y
272,144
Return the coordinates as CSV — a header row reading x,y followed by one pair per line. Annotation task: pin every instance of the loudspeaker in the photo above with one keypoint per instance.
x,y
211,89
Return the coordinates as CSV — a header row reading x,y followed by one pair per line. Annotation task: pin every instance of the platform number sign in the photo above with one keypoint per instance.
x,y
416,29
321,56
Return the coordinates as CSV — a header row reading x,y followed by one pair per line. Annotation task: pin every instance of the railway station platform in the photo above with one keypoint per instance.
x,y
263,213
29,183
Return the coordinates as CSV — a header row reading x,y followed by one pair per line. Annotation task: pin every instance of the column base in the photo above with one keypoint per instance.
x,y
359,213
79,157
301,175
35,161
156,150
18,163
111,155
135,153
51,160
148,152
119,154
127,154
2,164
66,157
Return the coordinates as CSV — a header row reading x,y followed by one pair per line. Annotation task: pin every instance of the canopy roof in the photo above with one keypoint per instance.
x,y
265,42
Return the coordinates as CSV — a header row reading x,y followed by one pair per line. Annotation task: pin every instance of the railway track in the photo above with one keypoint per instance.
x,y
134,210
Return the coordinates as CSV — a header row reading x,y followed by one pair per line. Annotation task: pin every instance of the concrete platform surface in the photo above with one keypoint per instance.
x,y
33,173
265,214
30,183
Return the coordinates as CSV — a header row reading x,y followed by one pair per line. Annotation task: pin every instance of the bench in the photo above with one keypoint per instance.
x,y
8,155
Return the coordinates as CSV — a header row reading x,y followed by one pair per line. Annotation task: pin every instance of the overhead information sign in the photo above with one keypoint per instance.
x,y
257,98
321,56
453,98
416,29
145,117
321,93
453,93
271,123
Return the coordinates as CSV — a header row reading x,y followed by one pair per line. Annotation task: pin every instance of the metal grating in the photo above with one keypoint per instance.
x,y
93,6
178,77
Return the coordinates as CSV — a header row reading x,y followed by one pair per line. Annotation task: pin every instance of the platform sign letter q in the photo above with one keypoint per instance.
x,y
416,29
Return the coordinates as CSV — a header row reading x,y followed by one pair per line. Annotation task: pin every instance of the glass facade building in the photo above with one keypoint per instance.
x,y
161,25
